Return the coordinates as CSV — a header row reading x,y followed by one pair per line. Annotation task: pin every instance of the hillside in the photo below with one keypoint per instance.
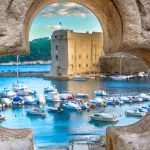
x,y
40,49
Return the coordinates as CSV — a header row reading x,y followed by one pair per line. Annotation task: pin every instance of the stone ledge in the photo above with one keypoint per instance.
x,y
132,137
16,139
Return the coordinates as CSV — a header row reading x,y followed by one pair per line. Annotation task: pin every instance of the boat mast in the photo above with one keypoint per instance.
x,y
120,64
17,67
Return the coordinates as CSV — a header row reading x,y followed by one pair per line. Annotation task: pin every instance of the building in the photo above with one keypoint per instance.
x,y
75,53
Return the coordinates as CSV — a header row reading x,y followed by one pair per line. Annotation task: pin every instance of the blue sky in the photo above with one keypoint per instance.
x,y
72,16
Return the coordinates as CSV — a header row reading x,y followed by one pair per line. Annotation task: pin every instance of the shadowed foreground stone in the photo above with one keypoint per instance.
x,y
132,137
16,139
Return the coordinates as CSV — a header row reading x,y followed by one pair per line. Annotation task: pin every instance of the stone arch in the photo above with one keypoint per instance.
x,y
105,11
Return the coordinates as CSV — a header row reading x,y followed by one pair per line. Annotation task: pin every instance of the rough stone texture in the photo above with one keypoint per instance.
x,y
129,65
16,139
131,137
125,23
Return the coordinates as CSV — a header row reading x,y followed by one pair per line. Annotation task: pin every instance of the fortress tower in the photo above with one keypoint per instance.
x,y
75,53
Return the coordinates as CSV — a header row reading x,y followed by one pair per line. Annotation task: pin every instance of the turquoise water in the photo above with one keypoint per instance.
x,y
25,68
59,128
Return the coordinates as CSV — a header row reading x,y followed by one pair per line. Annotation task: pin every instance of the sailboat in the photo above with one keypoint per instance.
x,y
19,87
120,76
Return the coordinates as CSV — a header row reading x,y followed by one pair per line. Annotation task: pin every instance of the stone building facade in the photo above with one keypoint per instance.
x,y
75,53
122,63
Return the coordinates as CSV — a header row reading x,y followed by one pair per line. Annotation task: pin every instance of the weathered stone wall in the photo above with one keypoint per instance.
x,y
16,139
125,23
128,65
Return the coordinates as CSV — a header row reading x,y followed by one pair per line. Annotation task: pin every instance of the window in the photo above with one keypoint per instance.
x,y
72,66
56,57
56,47
79,56
87,65
94,65
86,56
79,65
55,37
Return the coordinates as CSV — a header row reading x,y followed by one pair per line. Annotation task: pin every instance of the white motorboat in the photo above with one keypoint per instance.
x,y
71,105
54,109
40,99
29,100
81,95
21,89
118,77
17,100
8,93
105,117
7,102
82,104
100,93
145,97
134,112
50,89
52,96
136,99
142,74
79,78
125,99
97,101
36,111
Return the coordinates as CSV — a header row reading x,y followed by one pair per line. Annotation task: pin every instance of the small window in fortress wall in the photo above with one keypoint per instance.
x,y
56,57
79,65
79,56
86,56
56,47
87,65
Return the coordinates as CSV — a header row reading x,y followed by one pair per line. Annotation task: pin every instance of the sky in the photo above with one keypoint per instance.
x,y
63,15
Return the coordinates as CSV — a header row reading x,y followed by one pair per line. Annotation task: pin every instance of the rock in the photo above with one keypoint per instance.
x,y
132,137
16,139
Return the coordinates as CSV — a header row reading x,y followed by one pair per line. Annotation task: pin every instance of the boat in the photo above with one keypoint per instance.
x,y
17,100
2,118
82,104
142,75
55,109
98,101
36,111
145,97
20,89
81,95
7,102
100,93
52,97
71,105
79,78
8,93
50,89
118,77
104,117
66,96
126,99
134,112
29,100
40,99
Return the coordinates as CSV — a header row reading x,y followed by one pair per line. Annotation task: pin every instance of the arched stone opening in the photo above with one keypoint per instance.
x,y
105,11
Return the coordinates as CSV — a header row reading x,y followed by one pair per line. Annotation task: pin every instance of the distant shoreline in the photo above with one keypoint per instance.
x,y
39,62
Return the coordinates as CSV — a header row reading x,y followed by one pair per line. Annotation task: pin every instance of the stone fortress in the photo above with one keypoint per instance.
x,y
75,53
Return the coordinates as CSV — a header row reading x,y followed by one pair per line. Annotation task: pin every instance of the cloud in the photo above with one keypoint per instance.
x,y
54,27
65,9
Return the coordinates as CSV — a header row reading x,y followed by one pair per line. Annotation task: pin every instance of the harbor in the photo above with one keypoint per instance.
x,y
60,128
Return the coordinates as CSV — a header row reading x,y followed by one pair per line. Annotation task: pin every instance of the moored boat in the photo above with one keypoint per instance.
x,y
7,102
100,93
71,105
79,78
36,111
17,100
105,117
2,118
134,112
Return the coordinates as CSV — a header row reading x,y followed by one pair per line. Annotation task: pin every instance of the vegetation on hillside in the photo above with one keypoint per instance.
x,y
40,49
